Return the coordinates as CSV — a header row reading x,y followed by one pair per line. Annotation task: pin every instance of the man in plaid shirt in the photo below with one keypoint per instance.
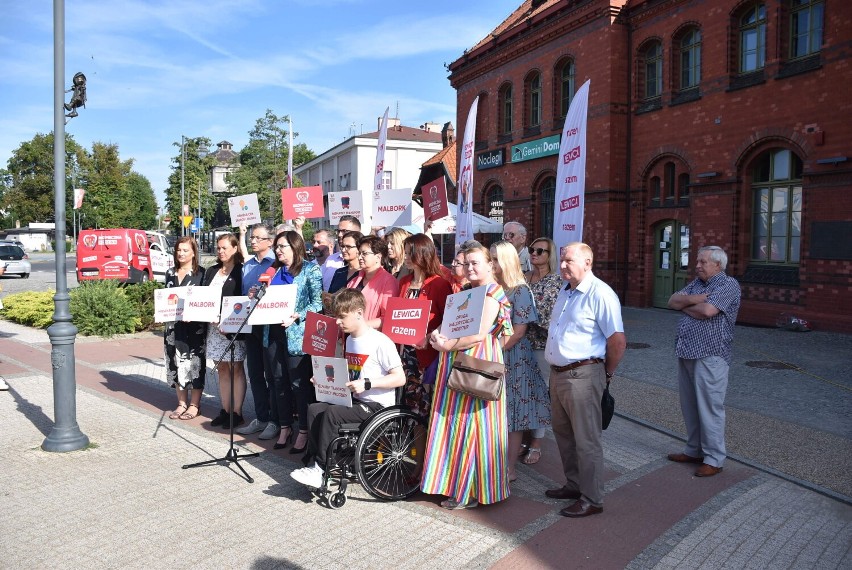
x,y
709,305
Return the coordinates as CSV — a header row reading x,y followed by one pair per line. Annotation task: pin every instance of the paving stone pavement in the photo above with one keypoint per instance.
x,y
126,502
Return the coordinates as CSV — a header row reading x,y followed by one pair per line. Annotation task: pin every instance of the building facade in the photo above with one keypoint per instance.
x,y
711,122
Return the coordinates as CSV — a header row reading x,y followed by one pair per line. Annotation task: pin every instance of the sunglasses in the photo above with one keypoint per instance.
x,y
537,250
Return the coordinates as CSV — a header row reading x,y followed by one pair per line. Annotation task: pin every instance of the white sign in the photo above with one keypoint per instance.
x,y
463,313
277,304
244,210
345,204
202,304
234,311
330,378
389,205
168,304
571,172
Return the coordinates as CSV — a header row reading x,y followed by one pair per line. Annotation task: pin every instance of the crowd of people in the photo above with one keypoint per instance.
x,y
555,326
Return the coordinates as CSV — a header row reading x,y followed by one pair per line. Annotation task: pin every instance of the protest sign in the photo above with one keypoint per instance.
x,y
168,304
234,311
244,210
277,304
389,204
406,320
321,334
202,304
435,204
305,202
463,313
345,204
330,378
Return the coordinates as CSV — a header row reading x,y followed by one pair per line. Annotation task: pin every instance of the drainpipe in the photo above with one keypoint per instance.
x,y
627,163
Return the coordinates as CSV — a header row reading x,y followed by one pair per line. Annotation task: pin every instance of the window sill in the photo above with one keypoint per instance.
x,y
532,131
480,145
747,80
797,66
649,106
685,97
503,139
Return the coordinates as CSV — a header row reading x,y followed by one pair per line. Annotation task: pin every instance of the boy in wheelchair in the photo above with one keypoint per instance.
x,y
375,371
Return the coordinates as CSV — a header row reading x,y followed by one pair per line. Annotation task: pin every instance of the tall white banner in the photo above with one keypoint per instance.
x,y
571,173
464,216
380,170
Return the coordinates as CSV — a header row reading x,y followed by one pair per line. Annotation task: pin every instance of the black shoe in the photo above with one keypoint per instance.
x,y
238,421
294,450
220,419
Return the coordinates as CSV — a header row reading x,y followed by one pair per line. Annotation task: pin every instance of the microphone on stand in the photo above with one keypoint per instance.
x,y
264,283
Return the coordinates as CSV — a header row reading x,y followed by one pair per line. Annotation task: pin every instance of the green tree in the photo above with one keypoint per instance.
x,y
139,190
263,163
108,203
196,172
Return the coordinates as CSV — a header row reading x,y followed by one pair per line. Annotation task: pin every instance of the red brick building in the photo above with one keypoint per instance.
x,y
711,122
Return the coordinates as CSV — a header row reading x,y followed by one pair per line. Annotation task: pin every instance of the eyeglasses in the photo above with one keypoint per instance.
x,y
363,253
282,246
537,250
456,264
257,238
509,235
344,246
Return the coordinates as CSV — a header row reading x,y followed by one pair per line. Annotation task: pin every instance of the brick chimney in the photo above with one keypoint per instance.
x,y
448,134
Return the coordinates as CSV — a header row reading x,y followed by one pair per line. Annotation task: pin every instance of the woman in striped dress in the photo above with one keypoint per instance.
x,y
465,456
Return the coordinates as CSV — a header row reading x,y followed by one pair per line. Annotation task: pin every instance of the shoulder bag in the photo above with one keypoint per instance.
x,y
476,377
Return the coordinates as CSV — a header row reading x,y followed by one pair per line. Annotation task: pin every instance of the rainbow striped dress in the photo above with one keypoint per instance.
x,y
466,450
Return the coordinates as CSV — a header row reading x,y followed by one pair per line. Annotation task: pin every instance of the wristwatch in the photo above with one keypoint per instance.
x,y
367,384
609,375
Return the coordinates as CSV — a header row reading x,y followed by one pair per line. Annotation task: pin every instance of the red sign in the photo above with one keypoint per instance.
x,y
321,335
435,200
302,202
406,320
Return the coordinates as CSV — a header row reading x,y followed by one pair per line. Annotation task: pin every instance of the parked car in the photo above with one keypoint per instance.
x,y
17,262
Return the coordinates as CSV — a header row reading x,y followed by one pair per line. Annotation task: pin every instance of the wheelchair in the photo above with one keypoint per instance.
x,y
384,453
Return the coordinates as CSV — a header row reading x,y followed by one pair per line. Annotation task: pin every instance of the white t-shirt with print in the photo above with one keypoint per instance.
x,y
372,355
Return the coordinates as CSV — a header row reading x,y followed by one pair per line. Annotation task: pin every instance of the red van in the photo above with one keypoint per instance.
x,y
120,254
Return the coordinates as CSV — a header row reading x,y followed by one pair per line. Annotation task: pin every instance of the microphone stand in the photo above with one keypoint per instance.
x,y
233,456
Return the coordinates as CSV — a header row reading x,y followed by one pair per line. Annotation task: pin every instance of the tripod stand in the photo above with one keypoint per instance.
x,y
233,456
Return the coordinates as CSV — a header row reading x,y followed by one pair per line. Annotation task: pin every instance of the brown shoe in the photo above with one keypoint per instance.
x,y
563,493
580,509
707,471
684,458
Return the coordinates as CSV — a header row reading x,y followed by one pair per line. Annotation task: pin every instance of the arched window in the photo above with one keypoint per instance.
x,y
805,27
683,187
655,190
564,87
777,215
547,202
690,59
753,39
533,86
505,109
669,182
653,66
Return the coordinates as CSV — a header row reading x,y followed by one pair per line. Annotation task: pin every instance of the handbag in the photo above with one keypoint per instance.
x,y
607,407
475,377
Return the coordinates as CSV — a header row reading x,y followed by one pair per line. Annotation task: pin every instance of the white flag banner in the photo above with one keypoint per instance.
x,y
464,217
380,168
571,173
79,193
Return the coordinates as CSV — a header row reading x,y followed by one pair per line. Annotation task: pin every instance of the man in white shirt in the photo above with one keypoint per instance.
x,y
585,343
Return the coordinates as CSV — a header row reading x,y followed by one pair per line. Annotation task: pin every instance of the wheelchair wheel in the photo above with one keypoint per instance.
x,y
337,500
389,454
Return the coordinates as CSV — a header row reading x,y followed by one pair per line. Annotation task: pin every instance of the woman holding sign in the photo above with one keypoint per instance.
x,y
227,274
466,451
186,364
290,367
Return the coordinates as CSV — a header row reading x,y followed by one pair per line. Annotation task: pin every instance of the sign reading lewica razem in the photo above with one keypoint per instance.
x,y
463,313
168,304
321,334
244,210
302,202
388,205
345,204
435,204
277,304
234,313
548,146
202,304
406,320
330,378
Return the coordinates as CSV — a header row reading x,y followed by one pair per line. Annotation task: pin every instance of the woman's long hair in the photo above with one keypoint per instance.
x,y
423,256
511,275
192,244
297,244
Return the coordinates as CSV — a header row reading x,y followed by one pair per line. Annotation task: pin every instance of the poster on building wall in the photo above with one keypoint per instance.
x,y
571,172
305,202
343,204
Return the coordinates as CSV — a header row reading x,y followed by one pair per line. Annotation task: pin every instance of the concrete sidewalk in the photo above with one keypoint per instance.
x,y
126,502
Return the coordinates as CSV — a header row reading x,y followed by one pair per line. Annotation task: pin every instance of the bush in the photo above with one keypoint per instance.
x,y
142,297
102,308
30,308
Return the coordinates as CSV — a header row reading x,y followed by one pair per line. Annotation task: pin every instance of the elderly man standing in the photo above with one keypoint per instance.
x,y
323,247
585,343
705,333
516,234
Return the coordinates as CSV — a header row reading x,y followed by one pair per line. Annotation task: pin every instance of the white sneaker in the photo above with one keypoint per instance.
x,y
3,385
253,427
310,476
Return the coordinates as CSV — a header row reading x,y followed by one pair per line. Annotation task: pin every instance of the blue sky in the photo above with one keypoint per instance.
x,y
159,69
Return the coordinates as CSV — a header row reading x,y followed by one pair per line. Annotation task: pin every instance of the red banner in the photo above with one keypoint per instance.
x,y
406,320
321,335
305,202
435,199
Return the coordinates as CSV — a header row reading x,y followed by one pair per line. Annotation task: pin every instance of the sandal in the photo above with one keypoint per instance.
x,y
454,505
524,449
531,459
187,415
179,411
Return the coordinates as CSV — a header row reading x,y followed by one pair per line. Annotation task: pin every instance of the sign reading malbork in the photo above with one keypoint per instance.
x,y
490,159
406,320
202,304
548,146
388,205
278,304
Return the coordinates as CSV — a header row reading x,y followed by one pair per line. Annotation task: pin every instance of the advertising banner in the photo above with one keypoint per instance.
x,y
435,204
464,218
571,173
406,320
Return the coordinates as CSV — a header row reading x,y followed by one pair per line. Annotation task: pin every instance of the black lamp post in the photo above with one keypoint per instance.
x,y
66,434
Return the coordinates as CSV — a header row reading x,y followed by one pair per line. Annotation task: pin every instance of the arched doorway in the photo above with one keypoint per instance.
x,y
671,260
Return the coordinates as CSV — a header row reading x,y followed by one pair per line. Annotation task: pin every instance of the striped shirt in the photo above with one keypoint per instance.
x,y
697,338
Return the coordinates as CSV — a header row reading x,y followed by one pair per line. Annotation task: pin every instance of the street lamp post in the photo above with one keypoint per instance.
x,y
182,177
65,434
